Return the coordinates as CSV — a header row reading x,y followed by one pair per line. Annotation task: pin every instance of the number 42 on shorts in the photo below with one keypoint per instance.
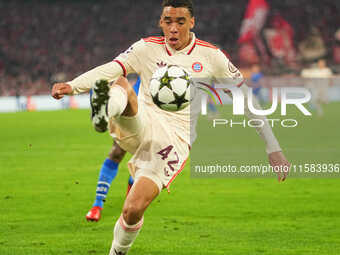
x,y
165,154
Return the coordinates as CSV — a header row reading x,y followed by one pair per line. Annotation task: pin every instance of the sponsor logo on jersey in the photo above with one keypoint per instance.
x,y
197,67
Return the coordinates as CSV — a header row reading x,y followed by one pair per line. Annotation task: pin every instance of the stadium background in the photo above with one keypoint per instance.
x,y
44,41
49,161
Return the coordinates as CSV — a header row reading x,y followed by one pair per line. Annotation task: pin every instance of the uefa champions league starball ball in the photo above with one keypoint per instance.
x,y
170,88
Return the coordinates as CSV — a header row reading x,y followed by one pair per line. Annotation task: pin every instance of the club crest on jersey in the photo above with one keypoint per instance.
x,y
197,67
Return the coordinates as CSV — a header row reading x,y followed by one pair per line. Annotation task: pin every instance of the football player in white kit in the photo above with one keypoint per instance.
x,y
159,140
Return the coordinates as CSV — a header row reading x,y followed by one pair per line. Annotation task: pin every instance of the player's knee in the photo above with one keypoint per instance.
x,y
117,154
117,157
124,83
132,106
133,213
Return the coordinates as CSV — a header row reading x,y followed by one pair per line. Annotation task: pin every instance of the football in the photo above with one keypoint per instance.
x,y
170,88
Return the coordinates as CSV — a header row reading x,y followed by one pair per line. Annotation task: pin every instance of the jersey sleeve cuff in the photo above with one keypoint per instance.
x,y
273,148
122,66
72,86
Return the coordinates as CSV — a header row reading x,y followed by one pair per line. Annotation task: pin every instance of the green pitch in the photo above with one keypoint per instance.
x,y
49,163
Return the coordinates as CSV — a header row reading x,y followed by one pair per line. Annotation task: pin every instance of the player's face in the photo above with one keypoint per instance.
x,y
176,24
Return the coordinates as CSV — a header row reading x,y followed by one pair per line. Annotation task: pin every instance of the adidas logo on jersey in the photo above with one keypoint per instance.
x,y
161,64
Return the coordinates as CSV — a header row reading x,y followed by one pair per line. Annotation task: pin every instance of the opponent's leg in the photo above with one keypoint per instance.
x,y
123,101
127,227
108,102
107,174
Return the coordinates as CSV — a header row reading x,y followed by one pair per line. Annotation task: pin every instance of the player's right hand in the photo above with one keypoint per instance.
x,y
60,89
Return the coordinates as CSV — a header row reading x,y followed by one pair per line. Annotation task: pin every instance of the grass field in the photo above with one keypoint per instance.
x,y
49,162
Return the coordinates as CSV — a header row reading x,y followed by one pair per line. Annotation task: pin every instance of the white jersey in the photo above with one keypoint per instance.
x,y
202,60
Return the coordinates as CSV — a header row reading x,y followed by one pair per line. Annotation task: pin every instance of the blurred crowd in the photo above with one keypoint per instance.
x,y
42,42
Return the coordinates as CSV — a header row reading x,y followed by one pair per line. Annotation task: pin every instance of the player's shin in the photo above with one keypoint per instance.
x,y
107,173
117,102
124,236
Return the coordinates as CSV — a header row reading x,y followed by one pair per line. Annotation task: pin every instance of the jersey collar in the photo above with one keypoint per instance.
x,y
187,50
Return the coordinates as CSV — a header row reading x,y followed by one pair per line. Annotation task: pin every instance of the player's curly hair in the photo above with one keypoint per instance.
x,y
180,3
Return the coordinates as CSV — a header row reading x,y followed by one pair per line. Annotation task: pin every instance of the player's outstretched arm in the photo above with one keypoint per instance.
x,y
61,89
84,83
275,155
276,158
273,149
127,62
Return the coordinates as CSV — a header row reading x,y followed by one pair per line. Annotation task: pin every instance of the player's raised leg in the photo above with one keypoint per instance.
x,y
112,101
127,227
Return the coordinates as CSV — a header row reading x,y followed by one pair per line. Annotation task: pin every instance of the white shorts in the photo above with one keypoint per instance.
x,y
158,152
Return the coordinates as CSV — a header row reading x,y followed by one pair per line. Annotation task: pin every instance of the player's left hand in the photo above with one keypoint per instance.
x,y
278,160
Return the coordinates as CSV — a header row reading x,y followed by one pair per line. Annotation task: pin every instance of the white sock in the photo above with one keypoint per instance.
x,y
118,101
124,236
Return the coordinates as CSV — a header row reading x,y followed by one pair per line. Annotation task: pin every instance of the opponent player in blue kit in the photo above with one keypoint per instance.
x,y
108,173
